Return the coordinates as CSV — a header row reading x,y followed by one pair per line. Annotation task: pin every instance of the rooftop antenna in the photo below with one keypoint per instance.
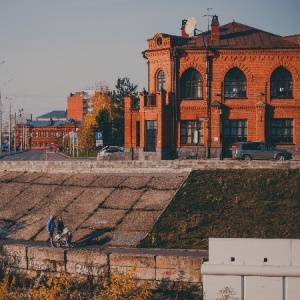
x,y
208,15
190,25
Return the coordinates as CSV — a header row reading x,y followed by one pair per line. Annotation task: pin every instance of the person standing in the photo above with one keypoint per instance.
x,y
60,225
50,228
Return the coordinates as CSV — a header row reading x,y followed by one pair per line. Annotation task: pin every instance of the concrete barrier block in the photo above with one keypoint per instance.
x,y
130,260
184,275
13,256
178,262
144,264
139,273
46,259
86,262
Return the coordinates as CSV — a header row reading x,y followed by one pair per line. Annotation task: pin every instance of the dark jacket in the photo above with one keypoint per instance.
x,y
51,224
60,226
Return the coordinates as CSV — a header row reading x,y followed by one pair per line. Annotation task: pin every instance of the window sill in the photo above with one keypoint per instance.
x,y
236,98
190,145
191,98
282,98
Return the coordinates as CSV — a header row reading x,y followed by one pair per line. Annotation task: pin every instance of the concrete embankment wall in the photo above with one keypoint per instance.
x,y
93,166
151,265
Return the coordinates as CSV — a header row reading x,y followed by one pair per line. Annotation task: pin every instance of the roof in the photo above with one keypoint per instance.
x,y
47,123
237,35
55,114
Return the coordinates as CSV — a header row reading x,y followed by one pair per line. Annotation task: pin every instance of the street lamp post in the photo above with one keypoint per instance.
x,y
1,111
0,125
9,125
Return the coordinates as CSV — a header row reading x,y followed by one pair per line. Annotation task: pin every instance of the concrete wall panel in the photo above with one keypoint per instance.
x,y
292,288
86,262
263,288
295,244
144,264
176,262
186,275
140,273
222,287
128,260
250,251
13,256
46,259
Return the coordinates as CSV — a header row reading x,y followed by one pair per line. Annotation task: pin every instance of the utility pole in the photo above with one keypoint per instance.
x,y
0,125
1,111
9,125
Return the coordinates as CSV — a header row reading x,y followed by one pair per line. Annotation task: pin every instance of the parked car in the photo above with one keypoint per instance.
x,y
259,150
112,149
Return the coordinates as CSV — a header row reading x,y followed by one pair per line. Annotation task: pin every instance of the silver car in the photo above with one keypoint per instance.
x,y
259,150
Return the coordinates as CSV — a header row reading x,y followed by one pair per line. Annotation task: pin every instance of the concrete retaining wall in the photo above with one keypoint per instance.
x,y
93,166
156,265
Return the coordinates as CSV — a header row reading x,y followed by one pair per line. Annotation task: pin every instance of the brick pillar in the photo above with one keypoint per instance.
x,y
260,112
127,122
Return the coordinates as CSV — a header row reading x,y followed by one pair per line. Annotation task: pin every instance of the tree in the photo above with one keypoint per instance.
x,y
123,88
100,101
107,114
104,125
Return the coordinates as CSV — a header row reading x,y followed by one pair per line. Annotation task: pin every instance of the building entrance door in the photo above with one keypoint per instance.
x,y
150,143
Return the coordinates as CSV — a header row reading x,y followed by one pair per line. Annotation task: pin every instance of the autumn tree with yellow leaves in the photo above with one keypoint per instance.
x,y
107,115
101,101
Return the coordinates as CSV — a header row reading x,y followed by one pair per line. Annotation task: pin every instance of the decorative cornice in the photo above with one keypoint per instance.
x,y
192,108
159,53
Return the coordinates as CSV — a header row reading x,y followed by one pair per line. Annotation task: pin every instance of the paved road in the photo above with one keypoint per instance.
x,y
34,155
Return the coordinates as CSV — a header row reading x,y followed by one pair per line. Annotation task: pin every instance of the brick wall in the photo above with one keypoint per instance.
x,y
257,107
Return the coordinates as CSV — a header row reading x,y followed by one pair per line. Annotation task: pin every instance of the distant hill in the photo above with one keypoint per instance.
x,y
230,204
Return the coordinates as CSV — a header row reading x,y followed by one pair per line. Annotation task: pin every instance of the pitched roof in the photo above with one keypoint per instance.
x,y
47,123
55,114
235,35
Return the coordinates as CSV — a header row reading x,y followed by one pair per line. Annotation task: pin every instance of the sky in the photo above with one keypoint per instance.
x,y
53,48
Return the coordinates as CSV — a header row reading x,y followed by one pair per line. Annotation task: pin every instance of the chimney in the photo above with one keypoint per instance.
x,y
183,33
215,28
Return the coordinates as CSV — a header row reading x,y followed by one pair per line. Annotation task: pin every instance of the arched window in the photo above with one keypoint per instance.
x,y
281,83
235,84
191,84
161,81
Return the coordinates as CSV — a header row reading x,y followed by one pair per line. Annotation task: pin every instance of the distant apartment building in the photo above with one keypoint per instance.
x,y
80,104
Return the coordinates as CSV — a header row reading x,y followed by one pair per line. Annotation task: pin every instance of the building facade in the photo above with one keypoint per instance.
x,y
49,131
210,90
80,104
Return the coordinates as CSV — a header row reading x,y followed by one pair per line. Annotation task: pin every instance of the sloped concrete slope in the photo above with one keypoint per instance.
x,y
111,209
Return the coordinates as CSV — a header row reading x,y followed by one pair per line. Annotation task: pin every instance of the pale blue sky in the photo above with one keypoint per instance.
x,y
52,48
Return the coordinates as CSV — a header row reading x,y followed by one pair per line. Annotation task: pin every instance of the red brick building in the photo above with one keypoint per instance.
x,y
210,90
46,132
80,104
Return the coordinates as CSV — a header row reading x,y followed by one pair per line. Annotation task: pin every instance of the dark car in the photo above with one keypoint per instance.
x,y
259,150
111,149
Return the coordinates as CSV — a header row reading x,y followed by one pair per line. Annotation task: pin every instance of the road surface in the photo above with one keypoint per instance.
x,y
34,155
